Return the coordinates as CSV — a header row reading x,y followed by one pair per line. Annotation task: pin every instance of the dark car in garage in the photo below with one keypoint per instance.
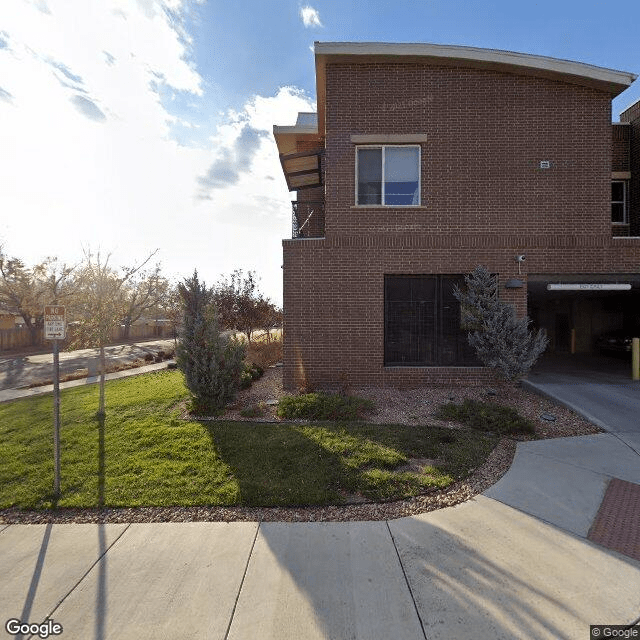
x,y
615,343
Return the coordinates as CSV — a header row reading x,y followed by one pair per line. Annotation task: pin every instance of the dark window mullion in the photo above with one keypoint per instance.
x,y
422,323
382,190
437,322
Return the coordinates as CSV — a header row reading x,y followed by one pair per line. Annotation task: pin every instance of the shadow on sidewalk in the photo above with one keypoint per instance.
x,y
466,572
35,579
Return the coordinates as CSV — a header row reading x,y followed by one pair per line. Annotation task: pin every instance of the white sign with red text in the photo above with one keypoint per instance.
x,y
55,325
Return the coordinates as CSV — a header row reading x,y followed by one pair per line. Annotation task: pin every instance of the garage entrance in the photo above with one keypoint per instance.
x,y
588,314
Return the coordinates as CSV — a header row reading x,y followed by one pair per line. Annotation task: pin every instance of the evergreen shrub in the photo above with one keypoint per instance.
x,y
212,363
323,406
486,416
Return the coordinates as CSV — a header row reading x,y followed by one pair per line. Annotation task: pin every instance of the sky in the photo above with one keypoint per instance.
x,y
129,126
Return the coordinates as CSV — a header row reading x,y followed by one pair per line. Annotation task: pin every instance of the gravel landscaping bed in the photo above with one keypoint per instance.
x,y
393,407
417,406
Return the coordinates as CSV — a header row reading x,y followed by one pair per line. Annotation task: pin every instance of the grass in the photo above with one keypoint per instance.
x,y
142,453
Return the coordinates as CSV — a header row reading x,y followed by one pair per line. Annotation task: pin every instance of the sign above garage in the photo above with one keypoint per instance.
x,y
588,286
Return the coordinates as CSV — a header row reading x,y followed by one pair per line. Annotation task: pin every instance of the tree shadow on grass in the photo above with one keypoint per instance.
x,y
318,464
100,418
259,455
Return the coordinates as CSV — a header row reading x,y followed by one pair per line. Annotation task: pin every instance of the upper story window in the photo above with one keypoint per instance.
x,y
619,201
388,175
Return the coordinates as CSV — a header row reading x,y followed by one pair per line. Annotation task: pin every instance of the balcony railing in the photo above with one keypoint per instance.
x,y
307,219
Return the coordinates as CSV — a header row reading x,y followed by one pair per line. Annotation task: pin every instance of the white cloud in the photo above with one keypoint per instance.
x,y
245,145
87,159
310,17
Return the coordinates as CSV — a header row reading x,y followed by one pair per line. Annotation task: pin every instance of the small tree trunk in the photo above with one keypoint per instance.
x,y
102,366
33,333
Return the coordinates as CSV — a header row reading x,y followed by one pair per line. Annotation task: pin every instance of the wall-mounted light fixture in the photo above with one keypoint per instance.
x,y
513,283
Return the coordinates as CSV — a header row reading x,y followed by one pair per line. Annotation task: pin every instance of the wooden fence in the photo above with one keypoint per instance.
x,y
20,337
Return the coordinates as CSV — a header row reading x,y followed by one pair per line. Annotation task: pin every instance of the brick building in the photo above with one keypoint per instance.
x,y
424,161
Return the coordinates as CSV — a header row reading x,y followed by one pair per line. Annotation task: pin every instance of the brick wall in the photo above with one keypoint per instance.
x,y
487,134
620,138
632,115
484,200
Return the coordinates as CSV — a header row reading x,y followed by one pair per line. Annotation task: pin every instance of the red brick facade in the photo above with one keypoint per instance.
x,y
484,200
620,150
632,116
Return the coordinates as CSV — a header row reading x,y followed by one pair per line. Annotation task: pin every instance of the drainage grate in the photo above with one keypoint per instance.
x,y
617,525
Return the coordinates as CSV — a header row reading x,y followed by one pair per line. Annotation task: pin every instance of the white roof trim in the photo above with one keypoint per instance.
x,y
525,60
296,129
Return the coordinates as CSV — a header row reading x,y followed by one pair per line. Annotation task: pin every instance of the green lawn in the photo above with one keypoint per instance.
x,y
144,454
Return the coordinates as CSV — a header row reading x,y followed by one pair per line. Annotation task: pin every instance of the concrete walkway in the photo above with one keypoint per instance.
x,y
13,394
519,561
600,389
18,371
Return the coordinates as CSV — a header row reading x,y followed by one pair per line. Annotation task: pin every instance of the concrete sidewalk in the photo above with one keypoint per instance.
x,y
513,563
18,371
551,548
13,394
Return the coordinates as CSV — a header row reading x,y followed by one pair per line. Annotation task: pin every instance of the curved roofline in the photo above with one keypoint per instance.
x,y
609,80
455,52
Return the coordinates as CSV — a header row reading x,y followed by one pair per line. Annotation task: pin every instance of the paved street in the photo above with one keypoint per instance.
x,y
20,371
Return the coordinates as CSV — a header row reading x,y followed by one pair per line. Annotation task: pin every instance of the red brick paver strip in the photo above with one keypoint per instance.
x,y
617,525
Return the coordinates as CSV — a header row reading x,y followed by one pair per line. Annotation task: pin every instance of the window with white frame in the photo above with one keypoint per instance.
x,y
619,202
388,175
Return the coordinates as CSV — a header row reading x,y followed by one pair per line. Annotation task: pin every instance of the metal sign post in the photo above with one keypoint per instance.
x,y
55,329
56,417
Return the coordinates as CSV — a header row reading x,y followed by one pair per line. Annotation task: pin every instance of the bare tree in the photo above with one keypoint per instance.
x,y
236,299
144,292
101,305
269,316
26,290
172,309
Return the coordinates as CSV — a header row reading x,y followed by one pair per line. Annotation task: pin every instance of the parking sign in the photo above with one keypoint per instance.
x,y
54,323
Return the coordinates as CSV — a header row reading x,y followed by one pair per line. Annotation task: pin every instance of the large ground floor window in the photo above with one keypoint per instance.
x,y
422,322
